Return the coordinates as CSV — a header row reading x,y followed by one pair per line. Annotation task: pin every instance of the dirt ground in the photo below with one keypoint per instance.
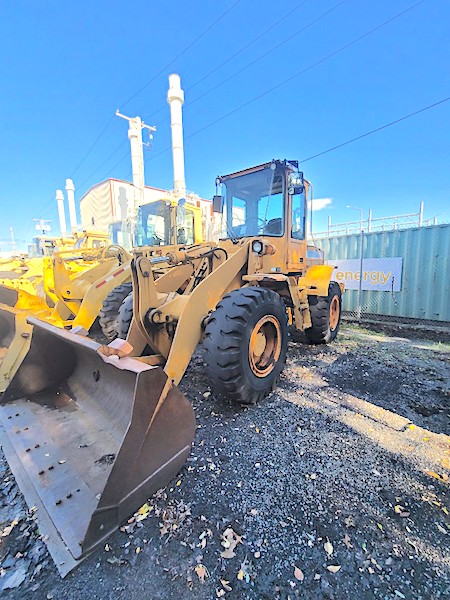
x,y
337,484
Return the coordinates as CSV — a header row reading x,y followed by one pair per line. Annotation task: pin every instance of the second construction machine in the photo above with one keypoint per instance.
x,y
92,431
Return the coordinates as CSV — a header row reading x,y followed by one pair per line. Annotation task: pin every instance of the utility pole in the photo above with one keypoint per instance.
x,y
42,225
136,125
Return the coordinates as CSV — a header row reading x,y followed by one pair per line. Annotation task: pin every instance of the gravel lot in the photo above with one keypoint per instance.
x,y
336,484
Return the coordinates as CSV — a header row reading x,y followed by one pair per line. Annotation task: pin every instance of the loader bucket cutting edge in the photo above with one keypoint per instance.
x,y
89,440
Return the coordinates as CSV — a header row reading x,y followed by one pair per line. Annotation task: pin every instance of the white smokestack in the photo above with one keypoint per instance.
x,y
70,188
61,212
175,97
137,162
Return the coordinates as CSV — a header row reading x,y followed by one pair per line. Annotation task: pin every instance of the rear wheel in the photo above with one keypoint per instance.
x,y
125,317
245,344
108,315
325,316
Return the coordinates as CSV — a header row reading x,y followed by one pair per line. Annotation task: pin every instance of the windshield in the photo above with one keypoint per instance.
x,y
154,225
80,242
253,204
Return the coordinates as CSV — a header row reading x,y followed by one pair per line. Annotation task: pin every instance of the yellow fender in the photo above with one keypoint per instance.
x,y
316,280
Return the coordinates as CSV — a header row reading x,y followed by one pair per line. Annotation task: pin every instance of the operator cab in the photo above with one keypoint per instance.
x,y
263,201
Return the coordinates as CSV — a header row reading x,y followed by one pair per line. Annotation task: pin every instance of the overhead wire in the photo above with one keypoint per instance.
x,y
180,54
188,47
253,62
282,83
301,72
93,145
241,49
372,131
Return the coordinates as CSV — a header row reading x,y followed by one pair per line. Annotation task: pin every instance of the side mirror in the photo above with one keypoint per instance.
x,y
217,204
296,189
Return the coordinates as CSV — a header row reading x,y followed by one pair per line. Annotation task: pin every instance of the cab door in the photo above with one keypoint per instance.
x,y
296,222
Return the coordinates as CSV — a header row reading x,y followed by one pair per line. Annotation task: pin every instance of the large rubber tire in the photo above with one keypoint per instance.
x,y
243,364
109,313
325,316
125,317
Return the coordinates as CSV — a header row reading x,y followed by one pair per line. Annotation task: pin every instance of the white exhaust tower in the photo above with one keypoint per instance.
x,y
175,97
61,212
70,188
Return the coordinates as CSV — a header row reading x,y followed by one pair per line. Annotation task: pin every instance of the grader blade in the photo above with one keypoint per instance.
x,y
89,439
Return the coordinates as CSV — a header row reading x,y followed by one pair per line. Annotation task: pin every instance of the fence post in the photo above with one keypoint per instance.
x,y
359,307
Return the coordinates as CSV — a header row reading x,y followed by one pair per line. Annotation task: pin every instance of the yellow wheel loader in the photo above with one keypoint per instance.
x,y
90,281
91,432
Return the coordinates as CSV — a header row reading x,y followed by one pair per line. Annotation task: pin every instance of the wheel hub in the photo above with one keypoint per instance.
x,y
265,346
334,313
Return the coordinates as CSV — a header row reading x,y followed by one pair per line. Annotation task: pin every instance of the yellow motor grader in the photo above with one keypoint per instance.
x,y
91,431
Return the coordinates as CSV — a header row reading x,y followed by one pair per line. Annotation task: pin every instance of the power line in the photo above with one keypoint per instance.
x,y
144,87
93,145
188,47
282,43
385,126
247,45
292,77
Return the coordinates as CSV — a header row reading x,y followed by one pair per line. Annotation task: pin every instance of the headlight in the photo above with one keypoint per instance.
x,y
257,246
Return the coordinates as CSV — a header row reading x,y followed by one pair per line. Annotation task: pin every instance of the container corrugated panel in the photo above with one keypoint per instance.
x,y
425,290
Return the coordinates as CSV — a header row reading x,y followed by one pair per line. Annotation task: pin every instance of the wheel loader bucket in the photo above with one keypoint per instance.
x,y
89,438
15,333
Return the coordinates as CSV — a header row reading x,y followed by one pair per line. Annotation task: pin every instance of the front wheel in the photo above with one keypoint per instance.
x,y
325,316
245,344
110,310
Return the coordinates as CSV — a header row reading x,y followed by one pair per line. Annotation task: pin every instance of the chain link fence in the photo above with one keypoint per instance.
x,y
397,275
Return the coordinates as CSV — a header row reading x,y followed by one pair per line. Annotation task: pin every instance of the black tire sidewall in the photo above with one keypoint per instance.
x,y
261,384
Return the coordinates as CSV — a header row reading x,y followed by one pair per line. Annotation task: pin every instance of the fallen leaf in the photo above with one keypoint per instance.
x,y
298,574
226,585
328,547
220,592
437,476
349,522
441,529
241,575
380,526
347,541
178,483
202,572
333,568
113,560
230,539
400,510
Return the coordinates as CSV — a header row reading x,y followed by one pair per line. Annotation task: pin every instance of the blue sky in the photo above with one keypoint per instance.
x,y
67,66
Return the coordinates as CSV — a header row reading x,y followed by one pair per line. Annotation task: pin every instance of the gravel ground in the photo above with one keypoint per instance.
x,y
336,484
